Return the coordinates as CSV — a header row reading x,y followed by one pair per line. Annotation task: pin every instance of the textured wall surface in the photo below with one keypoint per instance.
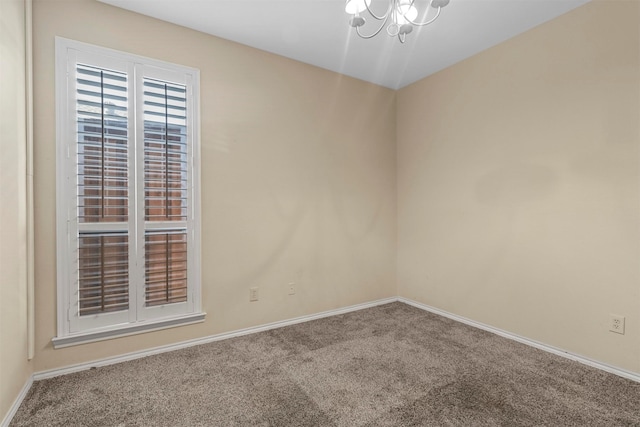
x,y
518,184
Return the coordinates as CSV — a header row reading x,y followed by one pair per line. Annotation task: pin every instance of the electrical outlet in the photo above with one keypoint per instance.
x,y
253,294
292,288
616,323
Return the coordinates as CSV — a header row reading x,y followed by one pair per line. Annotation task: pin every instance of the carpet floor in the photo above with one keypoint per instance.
x,y
391,365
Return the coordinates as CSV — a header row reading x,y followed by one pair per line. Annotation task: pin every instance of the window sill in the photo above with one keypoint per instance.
x,y
125,330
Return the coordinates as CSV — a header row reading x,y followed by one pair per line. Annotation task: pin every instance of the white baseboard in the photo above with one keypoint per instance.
x,y
218,337
550,349
16,403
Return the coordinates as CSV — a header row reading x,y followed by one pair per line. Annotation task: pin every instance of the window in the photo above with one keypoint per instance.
x,y
127,194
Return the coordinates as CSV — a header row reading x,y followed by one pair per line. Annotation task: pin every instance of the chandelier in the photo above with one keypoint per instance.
x,y
400,17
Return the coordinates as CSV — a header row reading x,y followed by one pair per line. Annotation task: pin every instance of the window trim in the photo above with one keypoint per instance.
x,y
130,329
65,50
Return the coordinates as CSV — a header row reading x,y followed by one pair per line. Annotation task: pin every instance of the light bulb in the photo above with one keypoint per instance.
x,y
356,6
406,11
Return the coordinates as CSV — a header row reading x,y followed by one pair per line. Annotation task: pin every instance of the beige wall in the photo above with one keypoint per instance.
x,y
298,178
14,368
518,184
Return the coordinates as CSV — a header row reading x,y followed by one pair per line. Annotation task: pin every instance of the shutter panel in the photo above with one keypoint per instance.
x,y
103,273
165,267
165,151
165,192
102,190
102,145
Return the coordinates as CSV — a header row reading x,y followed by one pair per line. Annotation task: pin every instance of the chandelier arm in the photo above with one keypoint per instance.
x,y
420,24
397,12
380,18
386,18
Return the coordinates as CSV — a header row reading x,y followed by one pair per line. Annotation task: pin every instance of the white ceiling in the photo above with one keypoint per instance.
x,y
317,32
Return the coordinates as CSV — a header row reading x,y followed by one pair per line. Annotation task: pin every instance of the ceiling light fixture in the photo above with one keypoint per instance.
x,y
399,17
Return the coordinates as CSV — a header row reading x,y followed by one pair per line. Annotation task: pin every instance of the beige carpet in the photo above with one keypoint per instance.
x,y
393,365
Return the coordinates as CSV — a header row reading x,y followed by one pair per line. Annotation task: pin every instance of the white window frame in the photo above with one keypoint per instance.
x,y
72,328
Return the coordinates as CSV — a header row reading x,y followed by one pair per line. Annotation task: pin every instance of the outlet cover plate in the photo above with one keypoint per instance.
x,y
616,323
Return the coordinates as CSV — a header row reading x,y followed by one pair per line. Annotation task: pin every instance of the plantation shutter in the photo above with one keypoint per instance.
x,y
102,190
127,205
165,186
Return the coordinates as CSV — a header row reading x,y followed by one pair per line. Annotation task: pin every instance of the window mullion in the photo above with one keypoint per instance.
x,y
137,198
